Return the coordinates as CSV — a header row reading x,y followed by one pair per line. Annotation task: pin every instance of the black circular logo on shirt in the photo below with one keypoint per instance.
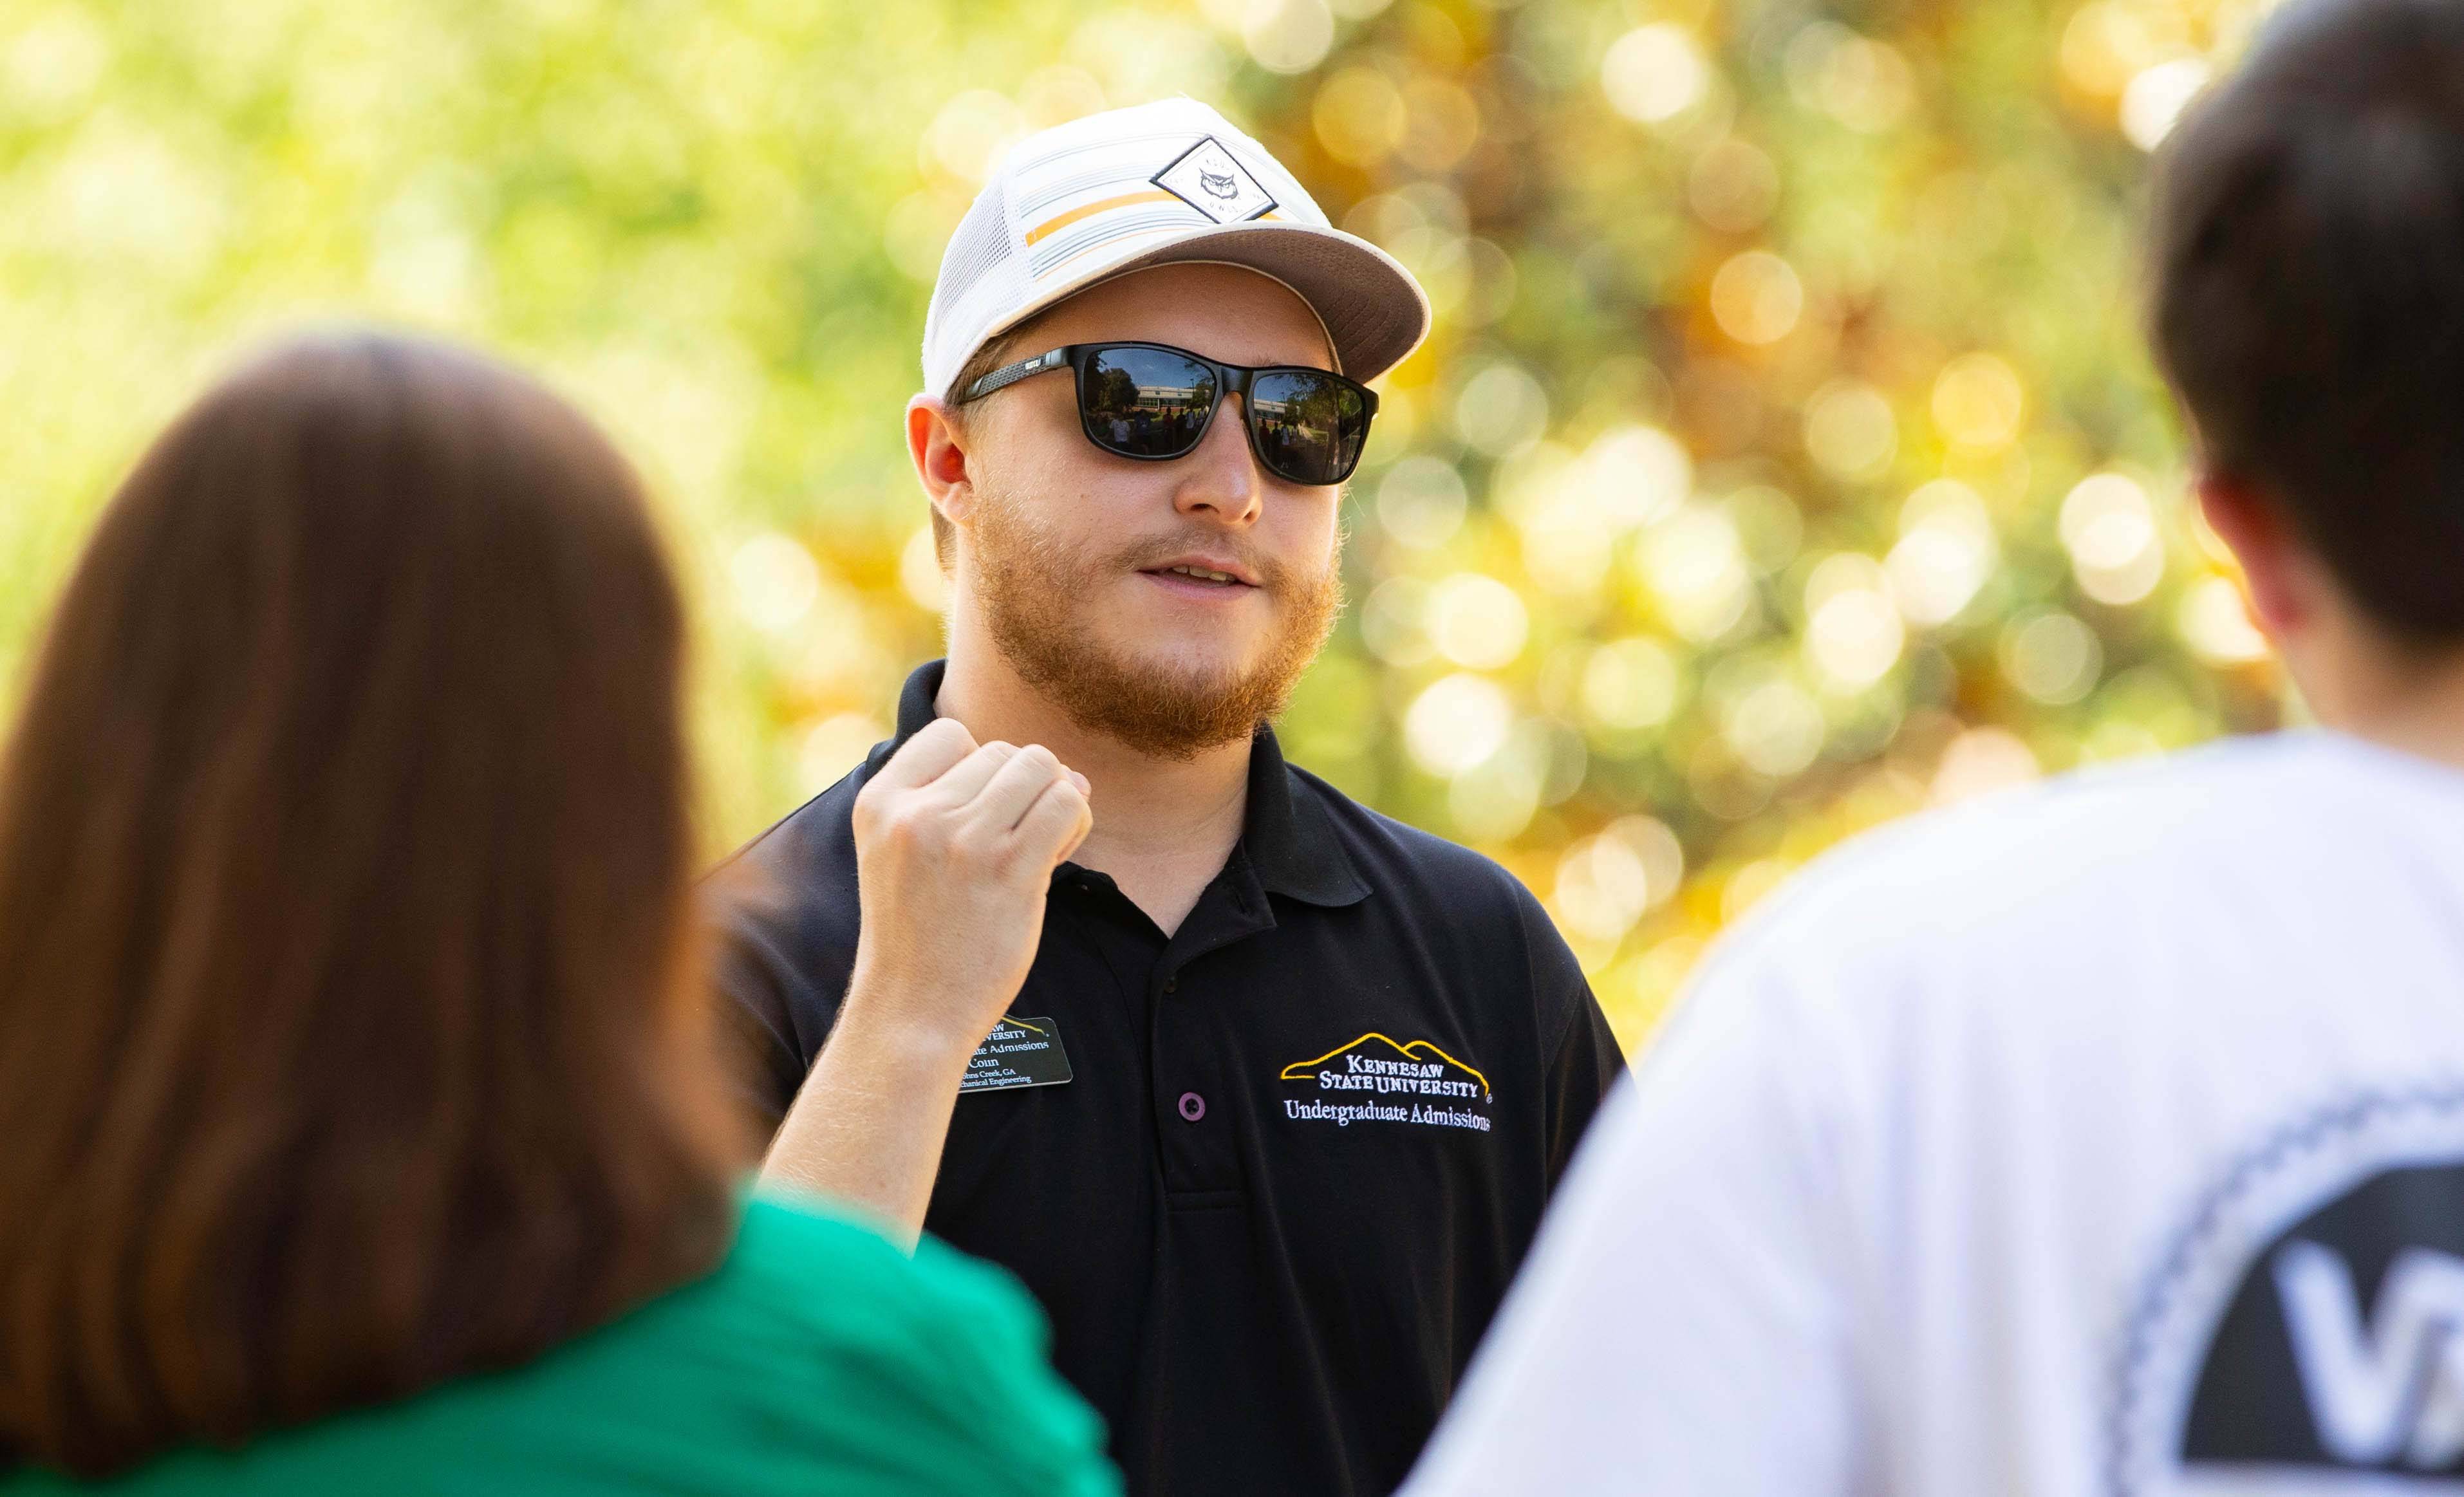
x,y
2307,1334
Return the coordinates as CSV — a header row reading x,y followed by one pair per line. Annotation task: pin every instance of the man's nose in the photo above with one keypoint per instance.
x,y
1220,478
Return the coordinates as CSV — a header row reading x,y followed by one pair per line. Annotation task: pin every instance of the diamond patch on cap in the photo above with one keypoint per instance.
x,y
1210,181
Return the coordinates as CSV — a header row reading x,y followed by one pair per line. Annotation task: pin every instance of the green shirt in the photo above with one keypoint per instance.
x,y
816,1358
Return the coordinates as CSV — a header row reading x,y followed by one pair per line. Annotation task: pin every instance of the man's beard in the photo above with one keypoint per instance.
x,y
1036,595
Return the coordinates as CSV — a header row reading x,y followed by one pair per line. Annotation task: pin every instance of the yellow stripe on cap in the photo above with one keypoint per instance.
x,y
1052,226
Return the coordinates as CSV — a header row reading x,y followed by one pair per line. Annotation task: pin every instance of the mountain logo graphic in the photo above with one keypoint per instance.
x,y
1380,1065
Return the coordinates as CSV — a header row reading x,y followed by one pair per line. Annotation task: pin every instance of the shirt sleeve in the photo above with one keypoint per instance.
x,y
756,1029
1580,1053
1681,1325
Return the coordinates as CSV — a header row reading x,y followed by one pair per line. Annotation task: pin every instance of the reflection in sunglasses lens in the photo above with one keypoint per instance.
x,y
1145,403
1309,427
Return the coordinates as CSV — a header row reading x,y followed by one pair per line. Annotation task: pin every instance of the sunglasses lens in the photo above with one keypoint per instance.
x,y
1144,401
1309,427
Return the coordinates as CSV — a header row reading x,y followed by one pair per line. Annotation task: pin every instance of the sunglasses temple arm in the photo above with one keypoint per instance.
x,y
1010,374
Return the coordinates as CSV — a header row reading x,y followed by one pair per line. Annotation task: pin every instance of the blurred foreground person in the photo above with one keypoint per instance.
x,y
358,1130
1262,1093
2108,1137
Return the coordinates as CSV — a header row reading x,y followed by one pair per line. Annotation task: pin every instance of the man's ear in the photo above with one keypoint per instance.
x,y
2276,567
937,447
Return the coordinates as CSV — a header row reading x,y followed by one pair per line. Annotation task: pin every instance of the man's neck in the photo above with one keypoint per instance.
x,y
2424,717
1163,827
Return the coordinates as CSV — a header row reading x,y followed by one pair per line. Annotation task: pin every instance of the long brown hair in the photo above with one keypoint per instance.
x,y
351,1032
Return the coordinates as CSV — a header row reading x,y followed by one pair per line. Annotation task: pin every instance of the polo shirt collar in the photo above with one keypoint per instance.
x,y
1286,833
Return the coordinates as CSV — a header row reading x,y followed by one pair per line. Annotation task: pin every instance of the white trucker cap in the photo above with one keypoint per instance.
x,y
1159,184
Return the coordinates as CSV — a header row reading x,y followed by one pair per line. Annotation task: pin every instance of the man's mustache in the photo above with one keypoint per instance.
x,y
1148,554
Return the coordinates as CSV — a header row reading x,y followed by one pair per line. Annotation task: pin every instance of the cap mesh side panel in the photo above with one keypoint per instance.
x,y
977,249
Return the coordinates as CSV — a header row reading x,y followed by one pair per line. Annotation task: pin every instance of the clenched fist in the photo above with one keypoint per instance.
x,y
956,844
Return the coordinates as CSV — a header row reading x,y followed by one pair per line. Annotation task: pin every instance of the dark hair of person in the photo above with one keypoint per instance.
x,y
2308,259
352,1030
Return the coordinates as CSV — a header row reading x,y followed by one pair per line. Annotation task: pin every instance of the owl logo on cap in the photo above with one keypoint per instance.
x,y
1210,180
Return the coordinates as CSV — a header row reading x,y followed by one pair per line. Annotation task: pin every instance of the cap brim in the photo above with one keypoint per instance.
x,y
1374,310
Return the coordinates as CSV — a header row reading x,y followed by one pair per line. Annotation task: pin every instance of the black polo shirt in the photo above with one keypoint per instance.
x,y
1304,1141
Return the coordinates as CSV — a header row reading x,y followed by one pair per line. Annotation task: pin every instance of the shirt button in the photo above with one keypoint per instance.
x,y
1193,1106
1172,984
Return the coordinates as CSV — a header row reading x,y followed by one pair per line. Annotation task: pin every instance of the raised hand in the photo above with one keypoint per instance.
x,y
956,844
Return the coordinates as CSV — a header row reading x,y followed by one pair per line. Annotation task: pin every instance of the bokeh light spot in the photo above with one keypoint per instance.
x,y
1733,185
1420,502
1852,633
2108,42
1776,728
1634,474
1695,566
1655,72
1359,115
777,581
1946,550
1978,401
1501,409
1494,799
2110,530
1289,35
1862,83
2215,623
1608,881
1442,123
1756,298
1850,431
2052,656
1394,622
1477,621
1630,684
1980,762
2155,99
1457,722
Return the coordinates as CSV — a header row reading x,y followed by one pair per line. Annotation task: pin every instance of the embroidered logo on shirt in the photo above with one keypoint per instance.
x,y
2307,1333
1376,1079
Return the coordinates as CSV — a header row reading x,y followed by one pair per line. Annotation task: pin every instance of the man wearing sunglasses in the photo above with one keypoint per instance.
x,y
1261,1093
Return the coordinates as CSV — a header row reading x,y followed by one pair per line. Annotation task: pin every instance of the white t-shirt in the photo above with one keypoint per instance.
x,y
2104,1138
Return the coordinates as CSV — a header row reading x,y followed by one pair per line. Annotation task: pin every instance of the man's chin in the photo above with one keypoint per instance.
x,y
1169,702
1182,666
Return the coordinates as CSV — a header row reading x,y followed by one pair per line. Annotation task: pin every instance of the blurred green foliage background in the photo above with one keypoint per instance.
x,y
1785,458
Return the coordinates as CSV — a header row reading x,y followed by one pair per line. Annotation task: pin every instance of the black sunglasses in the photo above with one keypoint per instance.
x,y
1155,402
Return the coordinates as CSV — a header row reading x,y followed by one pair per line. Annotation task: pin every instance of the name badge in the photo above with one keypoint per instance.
x,y
1019,1052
